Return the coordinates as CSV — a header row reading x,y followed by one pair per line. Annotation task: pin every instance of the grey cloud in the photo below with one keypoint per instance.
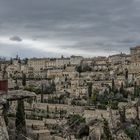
x,y
93,24
16,38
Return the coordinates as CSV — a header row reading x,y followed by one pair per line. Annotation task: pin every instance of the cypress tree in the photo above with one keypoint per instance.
x,y
89,89
26,61
53,87
126,74
48,111
137,111
122,114
136,92
94,96
42,93
20,124
113,85
0,68
122,91
11,61
19,61
23,79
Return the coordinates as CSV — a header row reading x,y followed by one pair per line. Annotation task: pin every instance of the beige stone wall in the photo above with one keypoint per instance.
x,y
54,73
37,64
135,54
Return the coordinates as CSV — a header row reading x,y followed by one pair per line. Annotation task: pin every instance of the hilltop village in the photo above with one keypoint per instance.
x,y
71,98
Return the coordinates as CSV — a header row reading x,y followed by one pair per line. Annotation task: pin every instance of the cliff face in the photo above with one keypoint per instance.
x,y
3,130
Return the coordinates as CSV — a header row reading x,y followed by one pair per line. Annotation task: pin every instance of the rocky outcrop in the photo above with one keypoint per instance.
x,y
3,130
16,95
4,98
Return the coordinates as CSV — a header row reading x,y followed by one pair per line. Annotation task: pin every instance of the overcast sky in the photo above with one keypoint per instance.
x,y
49,28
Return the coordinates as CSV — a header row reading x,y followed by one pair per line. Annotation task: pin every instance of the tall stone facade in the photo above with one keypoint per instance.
x,y
135,60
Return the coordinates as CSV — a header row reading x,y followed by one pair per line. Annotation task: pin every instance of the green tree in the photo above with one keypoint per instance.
x,y
136,90
137,111
64,67
26,61
132,132
19,61
79,68
23,79
42,93
82,131
113,85
106,131
75,120
11,61
122,113
109,88
126,74
89,89
53,86
94,96
48,111
121,88
20,124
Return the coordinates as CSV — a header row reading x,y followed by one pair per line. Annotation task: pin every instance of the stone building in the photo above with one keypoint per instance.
x,y
135,54
87,61
53,73
37,63
100,63
50,63
121,58
61,62
75,60
13,68
134,68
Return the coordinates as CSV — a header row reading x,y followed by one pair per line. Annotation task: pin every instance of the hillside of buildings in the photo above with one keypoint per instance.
x,y
71,98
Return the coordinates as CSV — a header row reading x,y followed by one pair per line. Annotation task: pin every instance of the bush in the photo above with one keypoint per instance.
x,y
114,105
130,131
102,106
75,120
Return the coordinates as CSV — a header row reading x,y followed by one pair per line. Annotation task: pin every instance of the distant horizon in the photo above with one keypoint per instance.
x,y
8,58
